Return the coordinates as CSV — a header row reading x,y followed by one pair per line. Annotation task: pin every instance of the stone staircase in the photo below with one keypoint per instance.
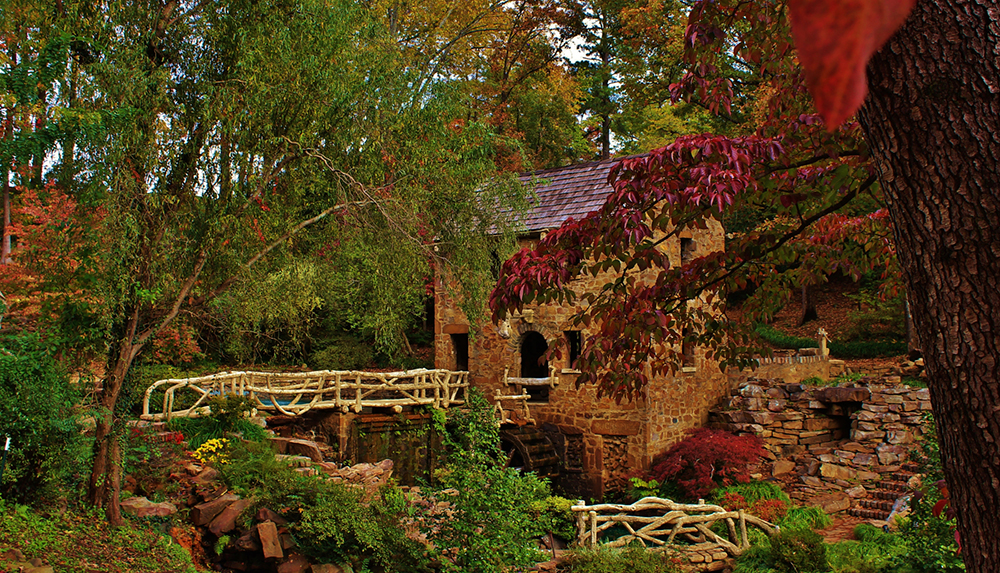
x,y
880,501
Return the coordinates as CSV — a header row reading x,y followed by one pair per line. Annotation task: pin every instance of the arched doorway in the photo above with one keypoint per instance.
x,y
534,364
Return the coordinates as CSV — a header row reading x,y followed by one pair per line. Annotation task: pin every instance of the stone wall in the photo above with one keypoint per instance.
x,y
823,440
610,440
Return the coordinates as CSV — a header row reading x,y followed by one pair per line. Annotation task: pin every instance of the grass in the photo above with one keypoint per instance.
x,y
77,540
850,349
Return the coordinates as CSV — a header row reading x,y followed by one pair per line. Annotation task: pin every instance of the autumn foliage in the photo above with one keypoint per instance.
x,y
708,459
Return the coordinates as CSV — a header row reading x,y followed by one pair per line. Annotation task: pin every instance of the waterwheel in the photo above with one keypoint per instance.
x,y
528,449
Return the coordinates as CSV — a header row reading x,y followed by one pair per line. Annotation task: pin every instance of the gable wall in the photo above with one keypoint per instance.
x,y
612,439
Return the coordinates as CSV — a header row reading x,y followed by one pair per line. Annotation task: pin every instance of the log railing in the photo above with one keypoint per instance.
x,y
657,522
293,394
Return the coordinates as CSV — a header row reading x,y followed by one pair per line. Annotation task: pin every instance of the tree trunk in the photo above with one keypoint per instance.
x,y
808,310
105,476
932,120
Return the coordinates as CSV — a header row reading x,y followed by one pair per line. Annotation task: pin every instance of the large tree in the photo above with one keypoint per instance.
x,y
926,137
231,146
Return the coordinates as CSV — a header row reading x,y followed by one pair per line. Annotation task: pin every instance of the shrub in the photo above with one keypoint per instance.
x,y
228,415
342,352
750,493
929,536
343,526
799,551
805,518
707,459
491,528
36,412
553,514
873,552
635,559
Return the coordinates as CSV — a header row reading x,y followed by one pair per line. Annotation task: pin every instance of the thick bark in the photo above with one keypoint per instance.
x,y
807,310
932,119
105,476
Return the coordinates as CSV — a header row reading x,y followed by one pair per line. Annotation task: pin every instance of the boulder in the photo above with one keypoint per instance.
x,y
142,507
305,448
295,563
269,540
832,503
226,520
204,513
781,467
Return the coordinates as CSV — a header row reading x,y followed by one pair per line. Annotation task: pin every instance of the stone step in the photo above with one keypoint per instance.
x,y
890,485
885,494
879,504
868,513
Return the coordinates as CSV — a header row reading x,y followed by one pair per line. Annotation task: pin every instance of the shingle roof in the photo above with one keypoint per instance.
x,y
564,192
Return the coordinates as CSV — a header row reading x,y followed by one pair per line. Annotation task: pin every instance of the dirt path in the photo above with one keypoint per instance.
x,y
841,529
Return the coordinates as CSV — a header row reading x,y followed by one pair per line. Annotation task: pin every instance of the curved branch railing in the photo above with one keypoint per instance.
x,y
658,522
294,394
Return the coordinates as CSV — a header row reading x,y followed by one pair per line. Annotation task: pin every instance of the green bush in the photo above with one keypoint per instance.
x,y
873,552
228,415
805,518
929,539
867,348
491,528
779,339
799,551
752,492
37,412
634,559
344,527
341,352
76,540
553,514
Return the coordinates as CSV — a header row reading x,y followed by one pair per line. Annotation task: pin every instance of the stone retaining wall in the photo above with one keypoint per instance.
x,y
823,440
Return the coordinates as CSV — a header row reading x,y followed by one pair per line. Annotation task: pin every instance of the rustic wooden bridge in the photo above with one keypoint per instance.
x,y
661,523
296,393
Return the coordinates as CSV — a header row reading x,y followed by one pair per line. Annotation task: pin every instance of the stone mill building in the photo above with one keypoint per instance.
x,y
589,445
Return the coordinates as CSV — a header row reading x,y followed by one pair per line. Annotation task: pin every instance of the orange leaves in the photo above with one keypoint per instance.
x,y
835,39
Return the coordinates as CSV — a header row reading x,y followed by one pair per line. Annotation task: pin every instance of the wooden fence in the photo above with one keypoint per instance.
x,y
296,393
658,522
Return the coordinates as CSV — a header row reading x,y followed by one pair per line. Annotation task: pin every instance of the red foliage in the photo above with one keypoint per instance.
x,y
176,344
707,459
769,509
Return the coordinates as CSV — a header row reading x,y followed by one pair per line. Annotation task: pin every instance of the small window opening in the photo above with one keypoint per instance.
x,y
535,365
460,342
687,350
574,341
687,250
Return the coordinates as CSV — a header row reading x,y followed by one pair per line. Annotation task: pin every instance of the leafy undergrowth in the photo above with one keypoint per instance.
x,y
82,542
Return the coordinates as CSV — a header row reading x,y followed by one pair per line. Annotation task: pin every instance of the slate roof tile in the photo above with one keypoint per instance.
x,y
564,192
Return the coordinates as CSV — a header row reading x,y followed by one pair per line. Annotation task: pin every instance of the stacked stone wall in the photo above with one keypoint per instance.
x,y
838,439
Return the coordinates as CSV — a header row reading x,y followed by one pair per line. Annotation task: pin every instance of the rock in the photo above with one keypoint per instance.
x,y
294,564
838,394
142,507
12,555
835,472
269,541
833,502
781,467
206,476
226,520
280,444
330,568
856,492
305,448
265,514
204,513
249,541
